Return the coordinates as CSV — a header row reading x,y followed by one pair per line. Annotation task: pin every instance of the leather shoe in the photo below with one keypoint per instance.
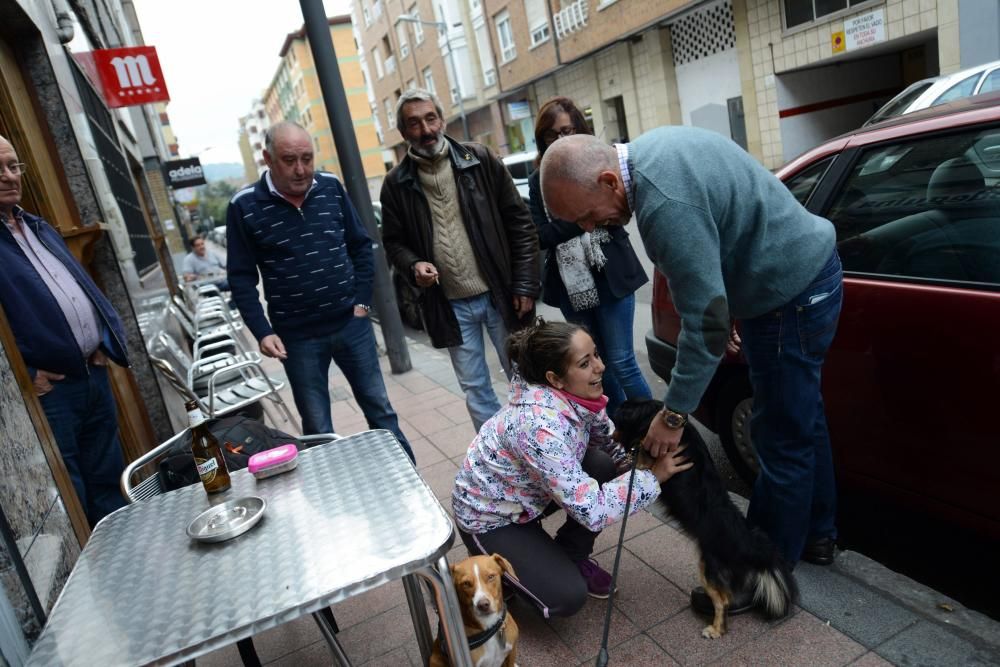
x,y
820,551
741,602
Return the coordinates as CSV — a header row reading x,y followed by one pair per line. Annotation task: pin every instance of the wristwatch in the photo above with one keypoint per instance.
x,y
673,419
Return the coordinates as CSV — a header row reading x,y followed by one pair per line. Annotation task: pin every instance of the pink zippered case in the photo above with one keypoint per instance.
x,y
273,461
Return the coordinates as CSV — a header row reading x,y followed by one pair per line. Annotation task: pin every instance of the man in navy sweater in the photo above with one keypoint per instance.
x,y
66,331
300,230
732,242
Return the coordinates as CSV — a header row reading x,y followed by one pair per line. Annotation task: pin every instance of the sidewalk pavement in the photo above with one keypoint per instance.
x,y
855,612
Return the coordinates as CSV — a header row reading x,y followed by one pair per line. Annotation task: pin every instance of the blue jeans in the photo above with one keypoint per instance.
x,y
82,415
794,498
610,324
353,349
469,358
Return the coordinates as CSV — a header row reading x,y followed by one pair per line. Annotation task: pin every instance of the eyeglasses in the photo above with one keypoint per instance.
x,y
15,168
552,135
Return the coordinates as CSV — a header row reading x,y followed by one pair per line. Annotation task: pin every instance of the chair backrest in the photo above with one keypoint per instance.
x,y
136,487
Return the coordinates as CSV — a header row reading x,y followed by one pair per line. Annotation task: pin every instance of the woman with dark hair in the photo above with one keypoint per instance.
x,y
591,277
551,447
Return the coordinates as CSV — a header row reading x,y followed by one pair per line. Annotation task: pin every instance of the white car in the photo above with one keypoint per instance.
x,y
940,89
521,166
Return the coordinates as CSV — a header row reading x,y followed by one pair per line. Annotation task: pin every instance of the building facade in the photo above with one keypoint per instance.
x,y
251,138
96,175
294,94
777,76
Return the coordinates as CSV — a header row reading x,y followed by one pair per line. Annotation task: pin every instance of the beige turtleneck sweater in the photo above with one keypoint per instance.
x,y
453,254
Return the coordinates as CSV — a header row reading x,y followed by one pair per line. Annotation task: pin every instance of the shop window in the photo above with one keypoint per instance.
x,y
799,12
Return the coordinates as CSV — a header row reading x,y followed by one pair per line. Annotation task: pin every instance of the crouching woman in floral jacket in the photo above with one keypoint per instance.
x,y
550,447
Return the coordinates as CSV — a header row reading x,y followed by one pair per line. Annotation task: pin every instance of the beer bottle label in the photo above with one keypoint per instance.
x,y
206,469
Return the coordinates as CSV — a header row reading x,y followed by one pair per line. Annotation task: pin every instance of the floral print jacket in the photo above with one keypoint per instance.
x,y
529,454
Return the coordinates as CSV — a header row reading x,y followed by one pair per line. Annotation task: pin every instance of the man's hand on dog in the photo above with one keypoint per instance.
x,y
670,464
661,439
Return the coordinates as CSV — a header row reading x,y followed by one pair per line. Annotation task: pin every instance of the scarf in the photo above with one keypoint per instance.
x,y
575,258
595,405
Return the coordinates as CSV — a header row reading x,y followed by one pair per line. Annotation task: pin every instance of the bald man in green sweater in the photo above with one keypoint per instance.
x,y
732,242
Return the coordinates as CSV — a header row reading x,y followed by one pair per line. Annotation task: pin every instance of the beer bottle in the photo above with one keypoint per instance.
x,y
208,456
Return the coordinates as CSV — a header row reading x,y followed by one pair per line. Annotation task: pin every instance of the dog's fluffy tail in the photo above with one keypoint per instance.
x,y
775,590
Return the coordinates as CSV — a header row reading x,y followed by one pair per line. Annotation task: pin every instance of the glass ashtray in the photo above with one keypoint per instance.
x,y
226,521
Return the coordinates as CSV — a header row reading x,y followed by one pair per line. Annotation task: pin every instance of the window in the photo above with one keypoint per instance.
x,y
505,36
366,14
390,116
991,83
475,7
377,59
963,88
485,56
418,29
898,105
804,182
411,84
404,47
538,22
798,12
429,80
925,209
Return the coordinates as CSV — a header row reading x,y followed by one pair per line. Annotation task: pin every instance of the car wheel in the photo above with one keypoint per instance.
x,y
732,418
407,299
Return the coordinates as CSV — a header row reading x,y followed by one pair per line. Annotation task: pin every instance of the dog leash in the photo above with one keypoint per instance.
x,y
602,655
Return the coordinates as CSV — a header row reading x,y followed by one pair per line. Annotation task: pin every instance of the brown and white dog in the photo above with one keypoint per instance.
x,y
491,631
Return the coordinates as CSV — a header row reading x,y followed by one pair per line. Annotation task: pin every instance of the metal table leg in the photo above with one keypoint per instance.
x,y
330,634
439,577
418,612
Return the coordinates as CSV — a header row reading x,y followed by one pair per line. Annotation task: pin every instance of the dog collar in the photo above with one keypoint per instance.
x,y
480,638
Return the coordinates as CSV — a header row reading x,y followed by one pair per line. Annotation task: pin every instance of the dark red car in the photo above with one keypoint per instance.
x,y
913,378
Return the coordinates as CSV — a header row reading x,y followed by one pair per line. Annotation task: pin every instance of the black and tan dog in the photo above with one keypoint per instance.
x,y
734,556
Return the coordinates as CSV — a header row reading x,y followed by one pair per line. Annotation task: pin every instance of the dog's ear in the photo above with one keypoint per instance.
x,y
505,565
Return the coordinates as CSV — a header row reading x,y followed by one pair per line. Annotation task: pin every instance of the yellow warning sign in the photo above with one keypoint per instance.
x,y
837,41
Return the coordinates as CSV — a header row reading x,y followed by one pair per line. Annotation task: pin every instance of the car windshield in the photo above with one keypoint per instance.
x,y
963,88
897,105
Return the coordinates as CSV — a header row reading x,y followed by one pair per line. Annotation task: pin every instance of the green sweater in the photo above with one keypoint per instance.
x,y
730,238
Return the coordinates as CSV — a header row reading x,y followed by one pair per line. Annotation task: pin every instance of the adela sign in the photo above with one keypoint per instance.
x,y
184,173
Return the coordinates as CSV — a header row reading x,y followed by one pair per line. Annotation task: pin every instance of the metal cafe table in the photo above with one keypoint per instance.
x,y
352,516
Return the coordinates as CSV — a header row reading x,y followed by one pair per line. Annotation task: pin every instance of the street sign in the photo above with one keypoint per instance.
x,y
130,76
865,29
184,173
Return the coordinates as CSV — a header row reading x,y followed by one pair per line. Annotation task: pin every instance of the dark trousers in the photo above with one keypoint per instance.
x,y
82,415
546,569
794,497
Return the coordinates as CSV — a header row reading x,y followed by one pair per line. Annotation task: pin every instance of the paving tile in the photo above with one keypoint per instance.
x,y
857,611
429,422
359,608
582,632
397,393
538,644
313,655
639,651
415,381
426,453
284,639
803,639
669,552
378,635
871,659
644,597
680,636
457,411
928,643
424,401
454,441
638,523
394,658
441,478
228,656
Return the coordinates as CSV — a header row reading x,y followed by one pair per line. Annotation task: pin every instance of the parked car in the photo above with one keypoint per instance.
x,y
521,166
940,90
912,379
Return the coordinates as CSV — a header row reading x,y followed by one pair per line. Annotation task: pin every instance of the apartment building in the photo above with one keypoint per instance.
x,y
776,76
294,94
251,139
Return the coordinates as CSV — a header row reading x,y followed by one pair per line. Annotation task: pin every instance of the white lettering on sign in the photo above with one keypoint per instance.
x,y
865,29
133,71
186,172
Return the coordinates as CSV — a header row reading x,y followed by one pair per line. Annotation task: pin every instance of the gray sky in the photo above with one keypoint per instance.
x,y
217,55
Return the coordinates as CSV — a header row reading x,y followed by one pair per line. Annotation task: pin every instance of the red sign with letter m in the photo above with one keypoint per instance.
x,y
130,76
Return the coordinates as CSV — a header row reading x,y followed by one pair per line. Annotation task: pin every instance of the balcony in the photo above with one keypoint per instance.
x,y
571,19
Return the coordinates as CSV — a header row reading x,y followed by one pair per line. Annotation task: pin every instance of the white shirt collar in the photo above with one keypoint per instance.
x,y
275,191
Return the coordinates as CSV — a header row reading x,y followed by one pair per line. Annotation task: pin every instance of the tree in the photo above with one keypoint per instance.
x,y
213,199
